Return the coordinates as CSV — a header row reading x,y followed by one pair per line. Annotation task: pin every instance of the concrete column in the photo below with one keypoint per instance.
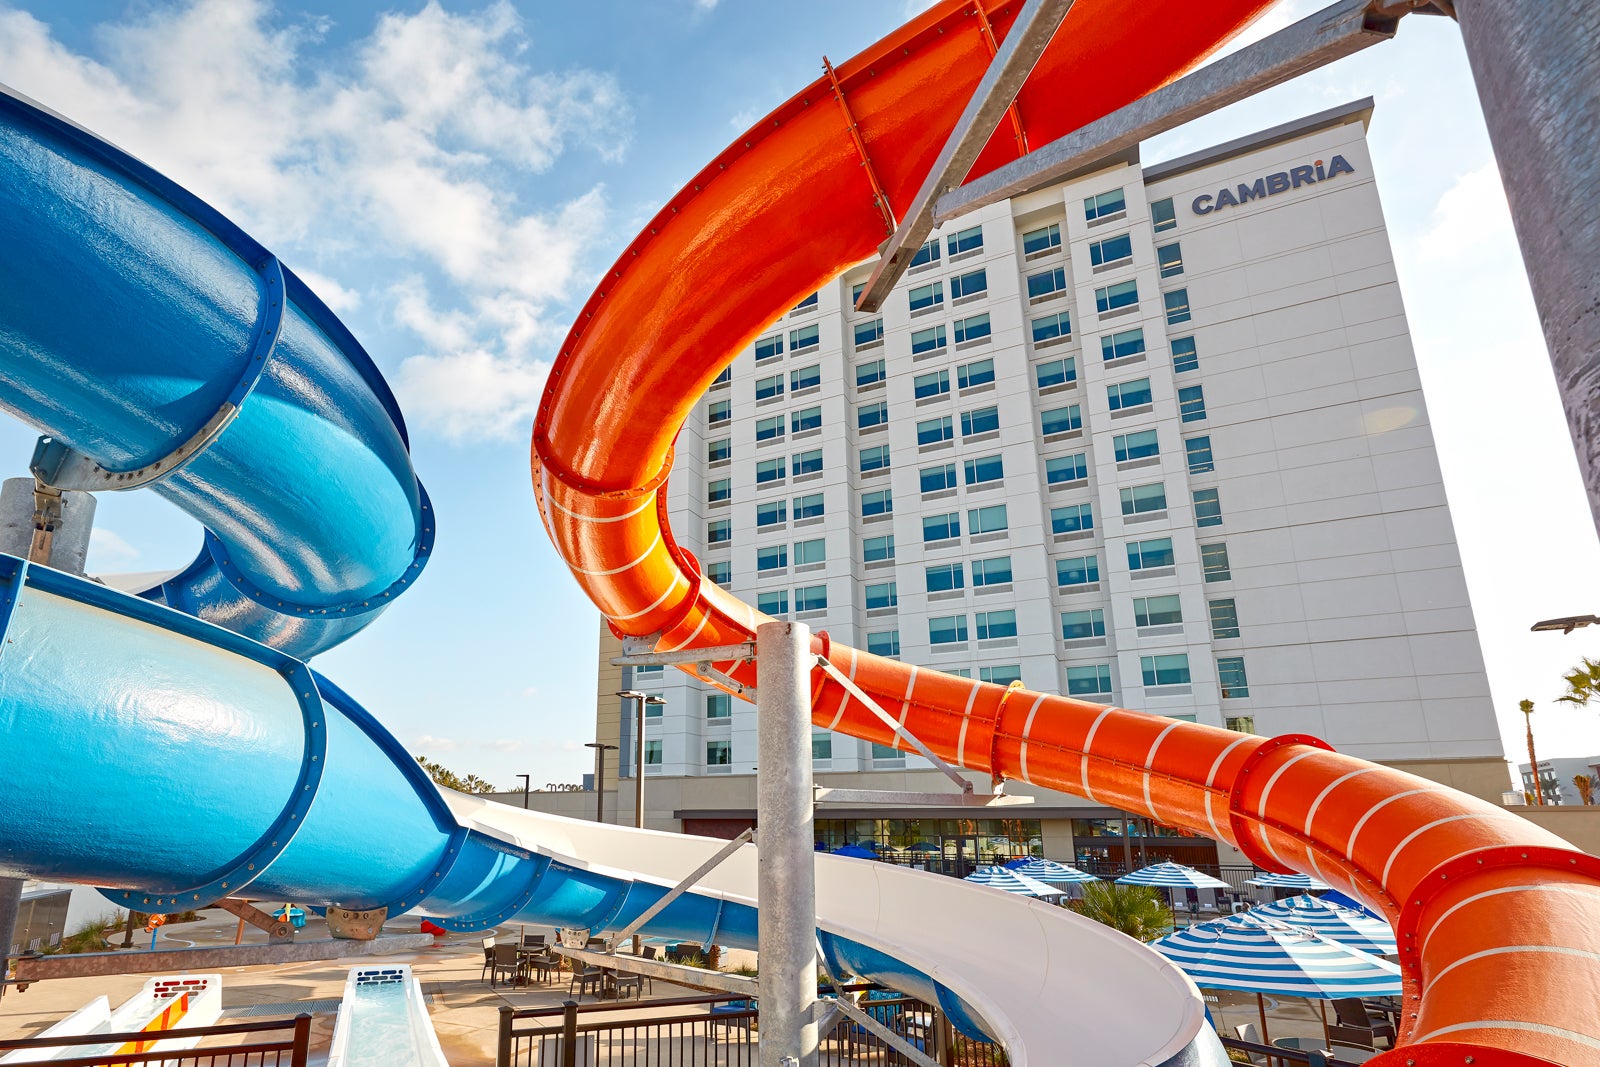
x,y
1537,71
786,889
70,539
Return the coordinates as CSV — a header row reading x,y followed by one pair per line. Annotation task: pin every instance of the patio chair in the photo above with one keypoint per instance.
x,y
591,979
1248,1032
488,957
649,954
506,962
532,940
1356,1021
624,982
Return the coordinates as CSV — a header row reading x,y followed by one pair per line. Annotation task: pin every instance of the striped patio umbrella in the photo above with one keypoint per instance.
x,y
1051,871
1012,882
1287,881
1349,928
1172,876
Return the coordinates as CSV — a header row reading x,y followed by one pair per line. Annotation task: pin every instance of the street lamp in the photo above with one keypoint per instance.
x,y
600,751
1566,624
638,779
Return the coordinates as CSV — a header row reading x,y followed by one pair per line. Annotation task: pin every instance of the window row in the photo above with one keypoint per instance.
x,y
1164,610
801,339
1152,553
987,625
1094,679
806,598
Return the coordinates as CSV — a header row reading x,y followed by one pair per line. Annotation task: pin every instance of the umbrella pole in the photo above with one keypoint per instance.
x,y
1261,1006
1322,1009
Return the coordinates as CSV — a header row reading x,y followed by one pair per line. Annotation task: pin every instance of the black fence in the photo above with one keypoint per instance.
x,y
135,1048
1273,1056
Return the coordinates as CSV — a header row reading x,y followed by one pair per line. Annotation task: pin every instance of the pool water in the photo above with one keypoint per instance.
x,y
380,1030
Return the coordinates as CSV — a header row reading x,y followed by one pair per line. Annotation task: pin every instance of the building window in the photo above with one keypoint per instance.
x,y
1056,372
991,519
1052,326
773,603
1192,403
1230,674
1207,508
934,383
1198,451
937,479
811,598
971,375
930,340
869,332
724,377
807,304
1001,675
972,329
1041,240
1128,394
928,253
993,571
719,706
812,551
969,284
1046,282
980,420
967,240
944,577
926,296
1104,205
883,595
1214,562
1143,499
875,458
947,630
772,512
807,462
769,470
806,419
719,411
1177,303
719,532
1090,681
1145,555
769,429
1224,619
993,625
769,347
1157,610
1171,669
870,373
1163,216
821,746
1071,468
1121,295
652,753
804,338
718,490
884,643
941,527
772,557
877,549
808,506
1061,420
720,572
767,388
1082,625
886,752
1110,250
1185,357
877,503
934,431
870,415
1122,344
719,450
806,377
1139,445
719,753
984,470
1073,518
1079,570
1243,724
1169,258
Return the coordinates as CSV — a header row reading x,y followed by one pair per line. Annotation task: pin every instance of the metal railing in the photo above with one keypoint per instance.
x,y
1273,1056
289,1051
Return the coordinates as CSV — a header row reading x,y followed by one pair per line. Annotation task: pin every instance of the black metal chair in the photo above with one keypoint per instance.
x,y
506,962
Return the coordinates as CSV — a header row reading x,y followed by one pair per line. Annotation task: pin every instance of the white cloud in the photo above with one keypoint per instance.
x,y
705,5
502,745
436,744
413,154
110,551
1472,218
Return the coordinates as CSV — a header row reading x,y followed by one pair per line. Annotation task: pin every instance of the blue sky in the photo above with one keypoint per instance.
x,y
451,177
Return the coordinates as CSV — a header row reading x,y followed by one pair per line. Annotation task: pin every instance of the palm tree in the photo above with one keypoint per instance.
x,y
1526,707
1135,910
1583,683
1585,784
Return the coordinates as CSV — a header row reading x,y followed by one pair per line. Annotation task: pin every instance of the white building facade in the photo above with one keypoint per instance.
x,y
1152,437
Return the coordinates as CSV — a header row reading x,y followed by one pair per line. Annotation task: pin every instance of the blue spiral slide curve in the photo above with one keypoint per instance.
x,y
173,747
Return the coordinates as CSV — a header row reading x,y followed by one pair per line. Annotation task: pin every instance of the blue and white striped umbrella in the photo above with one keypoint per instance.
x,y
1348,928
1012,882
1263,957
1172,876
1051,871
1287,881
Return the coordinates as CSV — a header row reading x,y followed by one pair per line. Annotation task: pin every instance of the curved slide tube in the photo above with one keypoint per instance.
x,y
1497,919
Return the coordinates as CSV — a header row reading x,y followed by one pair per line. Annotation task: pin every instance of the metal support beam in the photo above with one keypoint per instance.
x,y
1315,41
682,887
714,654
1537,70
786,879
889,720
280,931
884,1034
676,973
993,97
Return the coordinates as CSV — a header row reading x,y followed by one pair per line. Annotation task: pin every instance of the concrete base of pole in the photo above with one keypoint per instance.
x,y
786,881
69,542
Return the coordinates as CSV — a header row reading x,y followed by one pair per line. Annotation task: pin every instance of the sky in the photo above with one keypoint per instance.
x,y
452,177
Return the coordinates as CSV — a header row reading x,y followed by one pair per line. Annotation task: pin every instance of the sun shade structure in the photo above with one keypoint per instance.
x,y
856,851
1287,881
1050,871
1012,882
1347,927
1172,876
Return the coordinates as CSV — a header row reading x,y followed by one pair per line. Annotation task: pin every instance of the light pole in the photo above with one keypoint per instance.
x,y
600,751
1565,624
641,699
527,784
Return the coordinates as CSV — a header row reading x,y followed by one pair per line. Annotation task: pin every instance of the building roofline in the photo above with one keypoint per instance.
x,y
1288,131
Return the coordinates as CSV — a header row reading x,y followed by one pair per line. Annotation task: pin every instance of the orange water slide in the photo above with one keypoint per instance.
x,y
1498,921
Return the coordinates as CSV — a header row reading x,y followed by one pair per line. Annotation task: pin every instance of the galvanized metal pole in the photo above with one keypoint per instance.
x,y
1537,70
786,883
638,769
